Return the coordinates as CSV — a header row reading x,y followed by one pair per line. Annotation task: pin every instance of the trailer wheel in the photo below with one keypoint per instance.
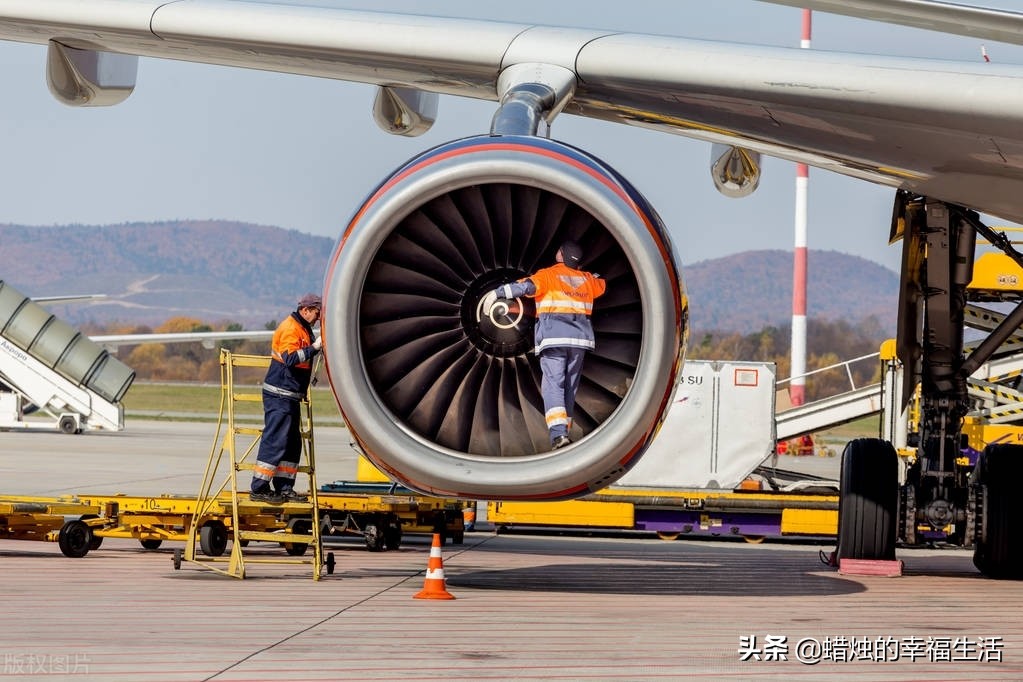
x,y
176,559
74,539
213,538
67,425
868,500
998,553
151,543
374,538
97,540
301,527
330,563
392,535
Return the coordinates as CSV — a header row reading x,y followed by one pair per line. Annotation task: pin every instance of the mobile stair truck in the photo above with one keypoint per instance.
x,y
54,372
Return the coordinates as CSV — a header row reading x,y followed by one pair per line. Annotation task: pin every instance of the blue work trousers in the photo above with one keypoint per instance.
x,y
280,447
562,370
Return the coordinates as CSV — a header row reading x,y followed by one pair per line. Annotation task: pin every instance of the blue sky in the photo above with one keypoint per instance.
x,y
202,142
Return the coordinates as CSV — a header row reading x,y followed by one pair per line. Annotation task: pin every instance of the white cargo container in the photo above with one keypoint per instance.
x,y
718,430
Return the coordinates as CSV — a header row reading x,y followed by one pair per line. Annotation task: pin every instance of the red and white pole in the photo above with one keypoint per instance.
x,y
797,388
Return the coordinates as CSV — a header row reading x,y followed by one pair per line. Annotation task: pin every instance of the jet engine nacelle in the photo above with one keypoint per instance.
x,y
446,398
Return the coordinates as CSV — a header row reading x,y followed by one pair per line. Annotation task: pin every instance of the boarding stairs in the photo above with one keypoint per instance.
x,y
293,525
828,412
49,368
997,386
856,403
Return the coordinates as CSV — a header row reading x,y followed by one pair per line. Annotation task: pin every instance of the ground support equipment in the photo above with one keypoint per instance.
x,y
209,531
388,513
64,522
380,520
673,513
54,372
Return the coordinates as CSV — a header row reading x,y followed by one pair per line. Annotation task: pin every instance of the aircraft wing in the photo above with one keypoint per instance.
x,y
947,130
946,17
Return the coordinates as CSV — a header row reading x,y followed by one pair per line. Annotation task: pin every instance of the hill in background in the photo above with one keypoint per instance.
x,y
748,291
227,271
212,270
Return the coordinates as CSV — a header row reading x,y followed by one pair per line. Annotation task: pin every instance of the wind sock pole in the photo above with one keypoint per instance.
x,y
797,387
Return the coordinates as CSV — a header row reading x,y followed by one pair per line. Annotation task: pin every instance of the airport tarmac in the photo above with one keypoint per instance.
x,y
551,606
146,458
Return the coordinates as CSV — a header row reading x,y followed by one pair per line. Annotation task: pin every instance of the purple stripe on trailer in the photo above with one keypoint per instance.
x,y
687,522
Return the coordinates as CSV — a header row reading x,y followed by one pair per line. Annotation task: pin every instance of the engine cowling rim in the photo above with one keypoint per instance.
x,y
585,465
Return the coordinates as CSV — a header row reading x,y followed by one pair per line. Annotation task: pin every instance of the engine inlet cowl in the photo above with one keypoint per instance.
x,y
445,398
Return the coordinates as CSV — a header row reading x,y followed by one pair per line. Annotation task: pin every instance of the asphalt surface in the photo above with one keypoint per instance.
x,y
527,606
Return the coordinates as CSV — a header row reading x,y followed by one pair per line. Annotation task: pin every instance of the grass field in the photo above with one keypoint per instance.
x,y
837,436
202,401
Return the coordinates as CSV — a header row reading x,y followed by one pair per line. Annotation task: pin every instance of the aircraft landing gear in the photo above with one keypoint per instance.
x,y
939,499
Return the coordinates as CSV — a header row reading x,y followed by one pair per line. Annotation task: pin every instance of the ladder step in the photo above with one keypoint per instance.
x,y
249,466
282,560
248,431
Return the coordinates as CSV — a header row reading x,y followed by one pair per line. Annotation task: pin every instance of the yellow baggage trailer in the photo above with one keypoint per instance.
x,y
752,515
79,523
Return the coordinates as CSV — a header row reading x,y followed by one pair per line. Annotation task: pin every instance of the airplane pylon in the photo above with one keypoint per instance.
x,y
434,586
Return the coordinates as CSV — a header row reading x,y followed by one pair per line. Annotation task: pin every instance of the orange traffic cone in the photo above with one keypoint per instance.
x,y
433,586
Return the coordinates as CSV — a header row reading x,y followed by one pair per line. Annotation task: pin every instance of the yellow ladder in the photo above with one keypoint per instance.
x,y
294,525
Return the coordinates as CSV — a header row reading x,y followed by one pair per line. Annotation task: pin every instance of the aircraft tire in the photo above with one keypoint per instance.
x,y
868,500
998,552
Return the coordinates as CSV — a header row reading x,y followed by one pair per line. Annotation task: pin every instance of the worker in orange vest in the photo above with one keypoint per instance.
x,y
287,381
564,302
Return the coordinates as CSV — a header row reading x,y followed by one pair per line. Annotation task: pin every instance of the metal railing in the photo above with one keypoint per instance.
x,y
845,363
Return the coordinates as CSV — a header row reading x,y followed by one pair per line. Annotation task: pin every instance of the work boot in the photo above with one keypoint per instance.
x,y
267,496
560,442
290,495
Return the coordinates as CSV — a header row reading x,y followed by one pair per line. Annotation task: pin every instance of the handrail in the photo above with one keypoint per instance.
x,y
845,363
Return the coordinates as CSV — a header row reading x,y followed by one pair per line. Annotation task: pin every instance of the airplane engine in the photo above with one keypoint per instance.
x,y
446,399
